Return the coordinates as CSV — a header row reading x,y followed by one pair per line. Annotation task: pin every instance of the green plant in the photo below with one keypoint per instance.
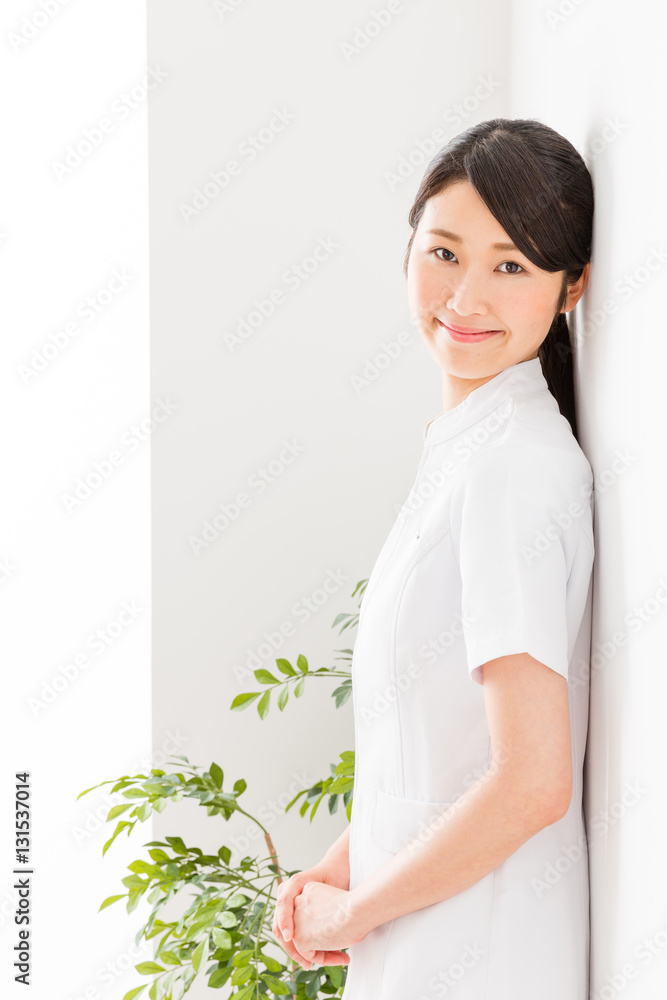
x,y
226,929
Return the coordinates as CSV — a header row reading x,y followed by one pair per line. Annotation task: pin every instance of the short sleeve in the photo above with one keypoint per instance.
x,y
513,559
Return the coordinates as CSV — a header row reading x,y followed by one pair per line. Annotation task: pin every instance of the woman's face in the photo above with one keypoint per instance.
x,y
459,277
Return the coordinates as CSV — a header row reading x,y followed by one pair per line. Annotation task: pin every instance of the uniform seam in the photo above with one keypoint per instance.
x,y
416,560
491,925
456,431
384,954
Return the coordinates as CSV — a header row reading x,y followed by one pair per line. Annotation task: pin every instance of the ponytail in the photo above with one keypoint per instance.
x,y
555,354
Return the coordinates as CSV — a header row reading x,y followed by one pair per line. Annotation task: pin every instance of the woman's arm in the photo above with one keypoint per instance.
x,y
338,856
527,787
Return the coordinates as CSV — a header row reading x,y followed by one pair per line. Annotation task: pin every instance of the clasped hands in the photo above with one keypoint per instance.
x,y
313,921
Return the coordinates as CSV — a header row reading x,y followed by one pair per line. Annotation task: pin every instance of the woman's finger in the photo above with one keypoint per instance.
x,y
283,914
331,958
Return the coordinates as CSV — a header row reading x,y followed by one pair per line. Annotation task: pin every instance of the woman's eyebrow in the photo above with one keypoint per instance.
x,y
457,239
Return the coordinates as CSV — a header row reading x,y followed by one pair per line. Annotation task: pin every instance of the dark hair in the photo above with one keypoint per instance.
x,y
536,184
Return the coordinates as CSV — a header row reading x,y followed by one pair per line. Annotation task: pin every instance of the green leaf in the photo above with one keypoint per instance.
x,y
240,786
169,956
286,667
121,826
243,974
221,939
282,698
298,690
244,994
272,964
133,899
161,857
177,845
135,992
117,810
275,985
200,954
263,704
302,663
243,700
265,677
134,793
142,867
99,785
335,974
135,882
216,773
147,968
220,977
111,899
144,810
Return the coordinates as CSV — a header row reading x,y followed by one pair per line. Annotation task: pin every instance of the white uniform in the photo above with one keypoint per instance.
x,y
491,554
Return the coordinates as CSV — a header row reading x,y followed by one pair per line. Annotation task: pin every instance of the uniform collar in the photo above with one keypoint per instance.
x,y
525,376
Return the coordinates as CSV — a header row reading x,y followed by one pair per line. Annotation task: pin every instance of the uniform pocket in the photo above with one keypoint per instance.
x,y
396,821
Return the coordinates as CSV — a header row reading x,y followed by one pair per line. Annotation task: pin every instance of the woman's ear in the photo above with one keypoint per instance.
x,y
576,290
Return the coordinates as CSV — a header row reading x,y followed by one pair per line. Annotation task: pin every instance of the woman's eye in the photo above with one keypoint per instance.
x,y
443,250
512,263
447,260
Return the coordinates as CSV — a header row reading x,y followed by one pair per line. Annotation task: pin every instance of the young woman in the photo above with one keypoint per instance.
x,y
464,871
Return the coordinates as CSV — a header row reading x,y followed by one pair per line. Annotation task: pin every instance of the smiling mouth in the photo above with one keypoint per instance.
x,y
465,329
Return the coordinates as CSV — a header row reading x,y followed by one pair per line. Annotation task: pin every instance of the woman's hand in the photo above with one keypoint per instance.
x,y
283,920
326,919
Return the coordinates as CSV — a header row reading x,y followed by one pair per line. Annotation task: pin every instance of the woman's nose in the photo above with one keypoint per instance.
x,y
466,298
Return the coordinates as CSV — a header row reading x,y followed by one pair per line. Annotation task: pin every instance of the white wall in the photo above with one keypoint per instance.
x,y
78,713
595,71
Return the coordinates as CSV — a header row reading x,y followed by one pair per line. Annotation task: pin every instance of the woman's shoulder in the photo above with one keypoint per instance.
x,y
537,452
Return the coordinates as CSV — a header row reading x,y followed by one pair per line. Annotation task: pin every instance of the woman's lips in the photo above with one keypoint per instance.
x,y
467,338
